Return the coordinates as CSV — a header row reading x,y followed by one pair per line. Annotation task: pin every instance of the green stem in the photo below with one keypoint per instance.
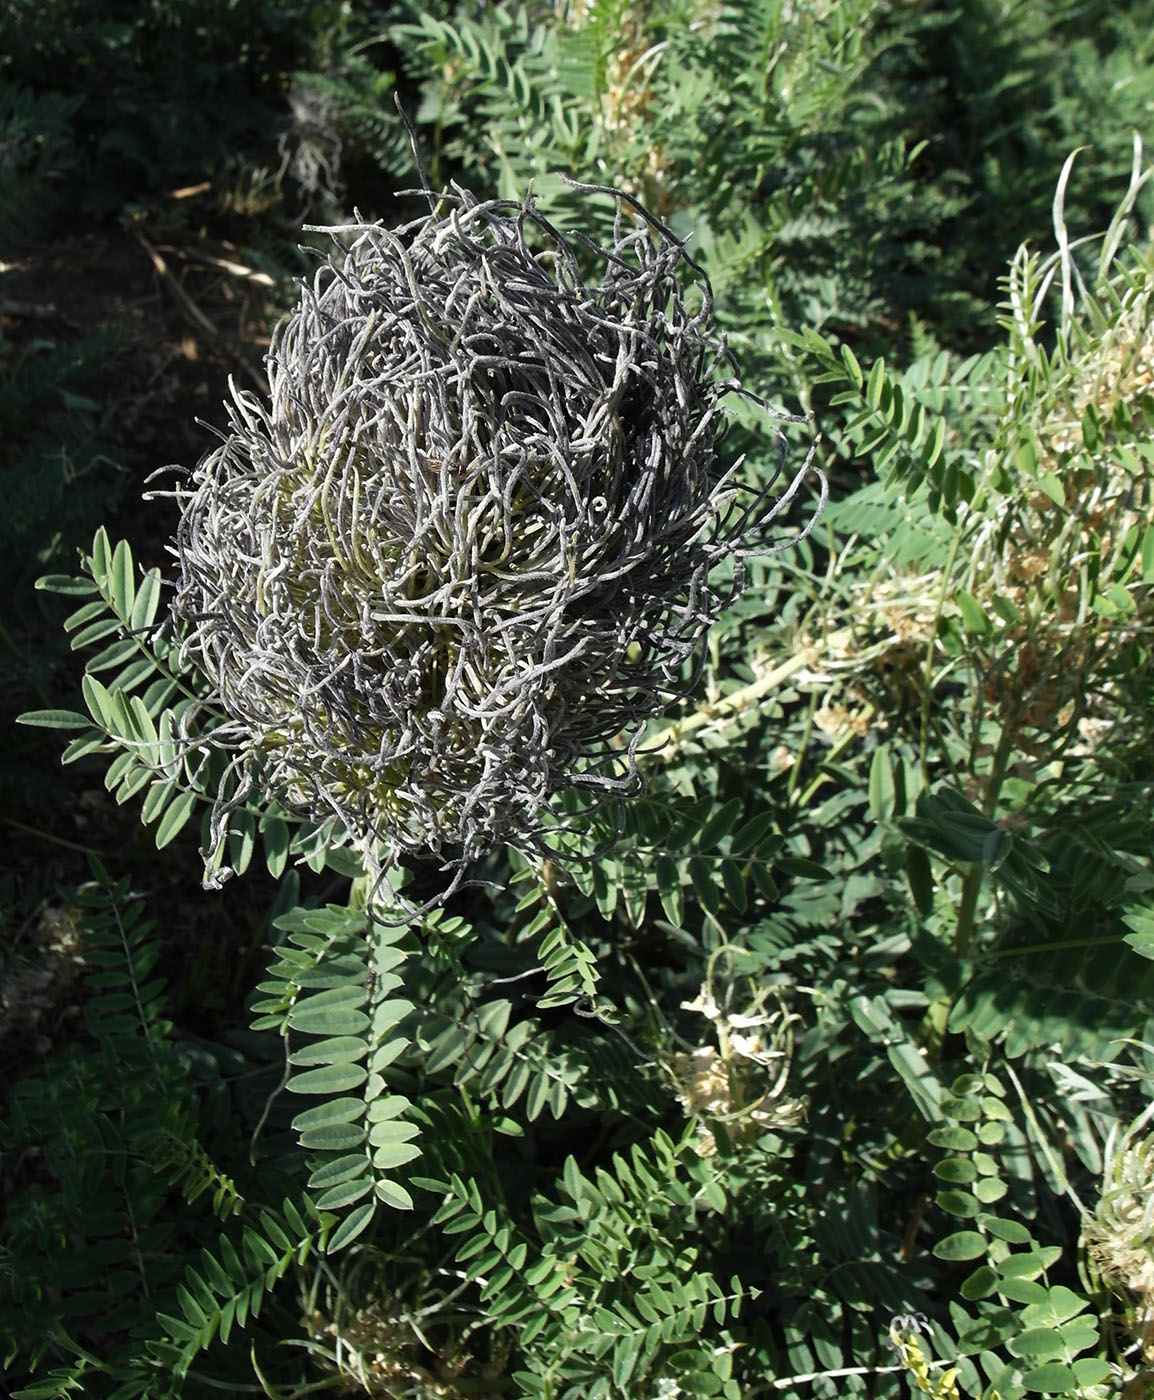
x,y
834,754
799,756
56,840
927,685
666,742
971,888
972,885
1053,947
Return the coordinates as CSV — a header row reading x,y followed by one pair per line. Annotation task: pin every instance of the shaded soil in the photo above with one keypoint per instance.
x,y
184,324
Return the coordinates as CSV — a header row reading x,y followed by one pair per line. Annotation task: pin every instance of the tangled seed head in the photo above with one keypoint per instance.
x,y
469,542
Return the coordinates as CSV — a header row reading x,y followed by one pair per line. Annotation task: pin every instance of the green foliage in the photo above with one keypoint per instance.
x,y
822,1069
97,1266
317,988
37,137
149,710
607,1326
1043,1325
171,93
845,164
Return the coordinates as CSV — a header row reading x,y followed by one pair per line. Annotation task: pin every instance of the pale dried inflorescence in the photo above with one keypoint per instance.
x,y
471,540
740,1085
1120,1233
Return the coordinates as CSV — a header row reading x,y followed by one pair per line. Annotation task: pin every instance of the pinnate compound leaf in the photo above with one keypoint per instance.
x,y
89,612
94,632
959,1170
334,1111
719,825
55,719
175,818
340,1049
338,1170
1023,1290
1038,1343
329,1079
122,587
83,746
395,1154
1030,1264
392,1130
962,1245
1012,1231
354,1224
147,602
960,1203
1090,1370
1054,1378
337,1197
1061,1305
274,831
98,700
66,584
394,1194
333,1137
881,785
802,868
980,1284
1140,922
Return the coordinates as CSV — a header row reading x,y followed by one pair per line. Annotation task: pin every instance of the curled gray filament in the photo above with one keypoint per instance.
x,y
468,547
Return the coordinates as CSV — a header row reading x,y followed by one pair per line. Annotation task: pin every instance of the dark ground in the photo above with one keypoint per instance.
x,y
185,323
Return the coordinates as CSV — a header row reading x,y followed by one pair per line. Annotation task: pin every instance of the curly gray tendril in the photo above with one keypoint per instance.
x,y
467,549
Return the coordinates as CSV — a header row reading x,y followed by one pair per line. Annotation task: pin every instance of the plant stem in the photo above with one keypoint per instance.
x,y
799,756
1112,942
971,888
834,754
927,684
668,740
56,840
972,885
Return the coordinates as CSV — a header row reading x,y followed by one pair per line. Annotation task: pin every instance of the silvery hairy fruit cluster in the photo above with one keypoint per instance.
x,y
471,542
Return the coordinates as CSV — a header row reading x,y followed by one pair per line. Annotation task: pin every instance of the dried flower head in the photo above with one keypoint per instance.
x,y
740,1086
470,541
1045,598
1120,1233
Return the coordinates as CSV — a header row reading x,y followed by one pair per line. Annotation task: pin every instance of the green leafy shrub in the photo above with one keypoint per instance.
x,y
37,154
843,164
826,1070
98,1266
170,93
